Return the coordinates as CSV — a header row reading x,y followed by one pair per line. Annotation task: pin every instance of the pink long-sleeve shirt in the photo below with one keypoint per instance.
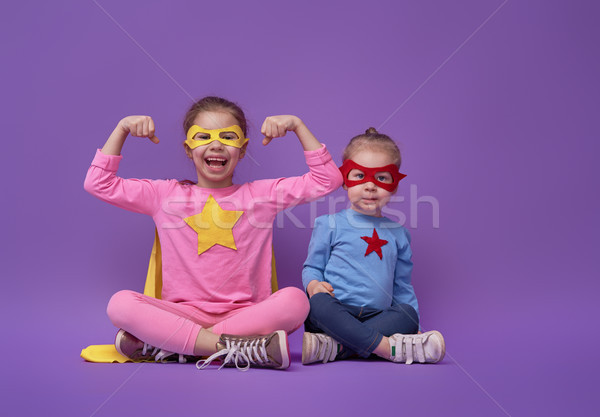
x,y
220,279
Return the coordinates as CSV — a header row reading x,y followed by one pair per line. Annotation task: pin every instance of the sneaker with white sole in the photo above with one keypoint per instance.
x,y
270,351
428,347
319,347
130,346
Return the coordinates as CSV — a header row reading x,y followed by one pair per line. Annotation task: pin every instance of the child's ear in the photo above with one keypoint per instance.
x,y
188,151
243,150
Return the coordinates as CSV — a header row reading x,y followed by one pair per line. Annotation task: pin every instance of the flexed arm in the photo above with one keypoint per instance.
x,y
324,176
140,126
102,181
277,126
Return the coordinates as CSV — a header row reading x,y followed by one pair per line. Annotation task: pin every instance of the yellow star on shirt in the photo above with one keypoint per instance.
x,y
214,225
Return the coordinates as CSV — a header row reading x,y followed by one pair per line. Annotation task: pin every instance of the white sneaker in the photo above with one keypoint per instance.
x,y
319,347
427,347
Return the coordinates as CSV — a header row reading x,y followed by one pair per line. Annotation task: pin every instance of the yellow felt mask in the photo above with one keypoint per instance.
x,y
215,134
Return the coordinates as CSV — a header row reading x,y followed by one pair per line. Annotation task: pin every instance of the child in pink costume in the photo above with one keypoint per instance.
x,y
216,240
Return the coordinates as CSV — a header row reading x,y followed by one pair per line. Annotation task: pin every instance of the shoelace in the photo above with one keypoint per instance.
x,y
410,346
161,355
238,352
327,350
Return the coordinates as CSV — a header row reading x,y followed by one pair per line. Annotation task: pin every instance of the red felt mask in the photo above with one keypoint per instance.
x,y
370,175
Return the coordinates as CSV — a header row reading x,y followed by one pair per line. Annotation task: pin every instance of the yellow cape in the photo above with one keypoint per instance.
x,y
153,288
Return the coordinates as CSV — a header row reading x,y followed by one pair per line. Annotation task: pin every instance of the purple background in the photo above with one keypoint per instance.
x,y
500,127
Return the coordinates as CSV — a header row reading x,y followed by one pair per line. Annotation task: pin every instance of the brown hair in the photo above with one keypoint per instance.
x,y
215,104
373,140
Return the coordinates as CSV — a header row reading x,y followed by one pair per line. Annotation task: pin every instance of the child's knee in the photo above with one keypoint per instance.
x,y
295,299
119,307
320,302
410,315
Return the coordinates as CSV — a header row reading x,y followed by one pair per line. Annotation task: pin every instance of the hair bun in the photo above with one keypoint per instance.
x,y
371,131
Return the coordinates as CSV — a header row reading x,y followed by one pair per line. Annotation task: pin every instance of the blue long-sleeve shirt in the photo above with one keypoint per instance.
x,y
336,254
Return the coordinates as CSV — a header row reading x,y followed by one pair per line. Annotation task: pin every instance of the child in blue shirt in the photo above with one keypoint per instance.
x,y
358,270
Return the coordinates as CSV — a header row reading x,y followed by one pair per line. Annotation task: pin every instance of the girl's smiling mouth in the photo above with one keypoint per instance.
x,y
215,161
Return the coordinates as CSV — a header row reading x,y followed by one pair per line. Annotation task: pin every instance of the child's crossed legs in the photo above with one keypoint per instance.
x,y
360,330
185,329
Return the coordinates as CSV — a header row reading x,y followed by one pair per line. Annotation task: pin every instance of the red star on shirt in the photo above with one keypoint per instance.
x,y
375,244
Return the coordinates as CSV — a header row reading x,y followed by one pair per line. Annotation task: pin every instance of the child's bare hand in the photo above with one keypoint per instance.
x,y
277,126
140,126
315,287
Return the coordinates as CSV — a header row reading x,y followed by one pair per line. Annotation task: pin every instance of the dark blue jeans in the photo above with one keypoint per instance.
x,y
358,329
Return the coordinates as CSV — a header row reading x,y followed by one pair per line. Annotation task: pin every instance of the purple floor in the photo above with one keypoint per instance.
x,y
498,368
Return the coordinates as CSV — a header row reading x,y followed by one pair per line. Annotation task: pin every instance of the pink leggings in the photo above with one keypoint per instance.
x,y
175,327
